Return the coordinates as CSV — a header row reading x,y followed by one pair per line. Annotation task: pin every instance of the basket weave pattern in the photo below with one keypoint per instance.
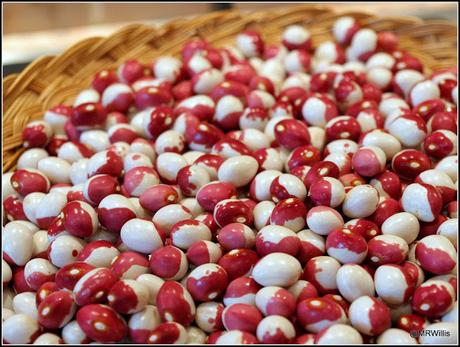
x,y
58,79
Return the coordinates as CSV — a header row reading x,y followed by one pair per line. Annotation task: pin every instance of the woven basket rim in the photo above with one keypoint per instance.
x,y
17,77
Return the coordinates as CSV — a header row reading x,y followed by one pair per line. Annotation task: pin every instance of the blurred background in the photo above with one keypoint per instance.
x,y
31,30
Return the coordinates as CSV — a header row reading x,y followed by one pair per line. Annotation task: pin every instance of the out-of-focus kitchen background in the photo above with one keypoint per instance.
x,y
31,30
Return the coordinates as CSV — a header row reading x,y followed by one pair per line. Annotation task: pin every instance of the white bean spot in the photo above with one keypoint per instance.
x,y
168,317
99,294
100,326
425,307
315,303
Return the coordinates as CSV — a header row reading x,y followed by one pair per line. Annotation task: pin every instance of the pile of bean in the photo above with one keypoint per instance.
x,y
301,192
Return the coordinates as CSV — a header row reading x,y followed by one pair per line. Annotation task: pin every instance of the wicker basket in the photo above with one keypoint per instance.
x,y
52,80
